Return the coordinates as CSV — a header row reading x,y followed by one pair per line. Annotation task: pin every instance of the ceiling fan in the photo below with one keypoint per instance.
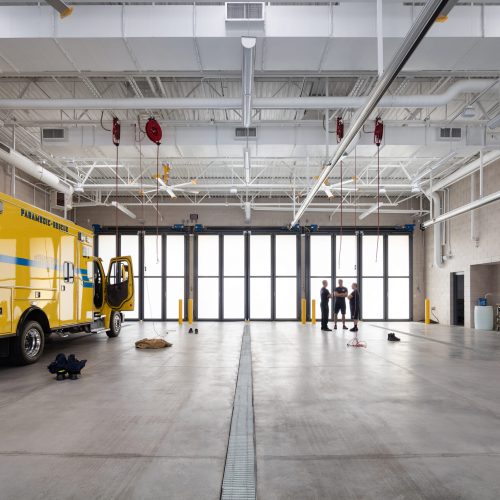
x,y
171,189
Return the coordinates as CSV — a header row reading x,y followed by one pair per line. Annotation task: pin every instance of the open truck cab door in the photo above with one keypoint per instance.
x,y
113,292
120,284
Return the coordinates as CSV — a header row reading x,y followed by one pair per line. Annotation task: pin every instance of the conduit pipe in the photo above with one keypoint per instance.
x,y
389,101
34,170
424,21
248,44
438,230
481,202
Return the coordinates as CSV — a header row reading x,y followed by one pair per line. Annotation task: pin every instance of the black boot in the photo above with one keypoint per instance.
x,y
392,337
196,331
190,330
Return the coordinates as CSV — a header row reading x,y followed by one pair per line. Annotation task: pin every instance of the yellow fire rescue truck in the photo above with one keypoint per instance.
x,y
51,282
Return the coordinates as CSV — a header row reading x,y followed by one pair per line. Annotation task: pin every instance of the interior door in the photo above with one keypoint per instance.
x,y
120,284
67,290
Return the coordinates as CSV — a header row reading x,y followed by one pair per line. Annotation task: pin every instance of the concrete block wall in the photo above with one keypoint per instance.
x,y
463,251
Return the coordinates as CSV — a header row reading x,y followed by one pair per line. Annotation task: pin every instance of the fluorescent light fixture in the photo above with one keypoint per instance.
x,y
248,44
123,209
233,190
246,162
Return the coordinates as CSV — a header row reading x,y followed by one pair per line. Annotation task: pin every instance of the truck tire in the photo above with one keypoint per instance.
x,y
115,324
27,347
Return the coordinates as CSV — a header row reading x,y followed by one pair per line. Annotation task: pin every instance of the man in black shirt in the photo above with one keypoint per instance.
x,y
340,294
354,306
325,309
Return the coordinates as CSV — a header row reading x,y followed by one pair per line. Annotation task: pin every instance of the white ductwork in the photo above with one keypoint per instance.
x,y
34,170
438,228
248,44
388,101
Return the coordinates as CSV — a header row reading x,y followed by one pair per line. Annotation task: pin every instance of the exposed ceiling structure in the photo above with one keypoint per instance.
x,y
182,64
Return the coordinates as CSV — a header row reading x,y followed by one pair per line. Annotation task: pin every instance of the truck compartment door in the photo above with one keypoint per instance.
x,y
120,284
5,311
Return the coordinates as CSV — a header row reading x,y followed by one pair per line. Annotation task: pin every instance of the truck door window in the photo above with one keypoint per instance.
x,y
118,278
68,272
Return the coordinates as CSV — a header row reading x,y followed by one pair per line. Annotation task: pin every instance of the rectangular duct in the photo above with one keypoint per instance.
x,y
245,133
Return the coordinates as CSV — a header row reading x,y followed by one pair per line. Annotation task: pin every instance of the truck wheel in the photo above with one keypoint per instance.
x,y
27,347
115,324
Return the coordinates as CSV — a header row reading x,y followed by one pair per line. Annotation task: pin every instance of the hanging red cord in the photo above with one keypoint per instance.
x,y
115,133
355,191
377,139
154,133
340,136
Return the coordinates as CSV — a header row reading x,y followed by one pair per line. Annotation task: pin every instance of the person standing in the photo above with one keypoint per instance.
x,y
354,304
340,294
325,309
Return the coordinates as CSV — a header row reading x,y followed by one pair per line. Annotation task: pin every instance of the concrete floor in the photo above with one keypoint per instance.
x,y
413,420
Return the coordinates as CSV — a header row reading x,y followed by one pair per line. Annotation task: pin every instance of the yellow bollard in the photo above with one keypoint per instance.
x,y
190,311
313,312
303,315
427,312
181,314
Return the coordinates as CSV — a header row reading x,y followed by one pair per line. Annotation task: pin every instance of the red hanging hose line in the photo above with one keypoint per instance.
x,y
377,139
355,191
115,134
340,136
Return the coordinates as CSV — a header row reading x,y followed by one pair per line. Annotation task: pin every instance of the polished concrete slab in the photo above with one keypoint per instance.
x,y
414,420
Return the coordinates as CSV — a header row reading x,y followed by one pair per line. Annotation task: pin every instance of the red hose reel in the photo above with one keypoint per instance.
x,y
115,131
153,131
378,133
340,128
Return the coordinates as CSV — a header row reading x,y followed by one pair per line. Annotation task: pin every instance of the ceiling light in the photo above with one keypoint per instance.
x,y
78,188
233,190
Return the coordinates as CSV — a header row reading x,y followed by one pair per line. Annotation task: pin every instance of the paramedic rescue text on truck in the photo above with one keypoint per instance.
x,y
51,282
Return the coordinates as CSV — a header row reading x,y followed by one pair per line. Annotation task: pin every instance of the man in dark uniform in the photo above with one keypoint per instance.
x,y
325,309
354,306
340,294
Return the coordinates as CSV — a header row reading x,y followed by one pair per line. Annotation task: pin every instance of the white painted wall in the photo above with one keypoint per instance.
x,y
464,252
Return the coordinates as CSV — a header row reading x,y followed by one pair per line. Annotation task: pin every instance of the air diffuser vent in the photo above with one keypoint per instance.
x,y
245,133
447,133
244,11
53,134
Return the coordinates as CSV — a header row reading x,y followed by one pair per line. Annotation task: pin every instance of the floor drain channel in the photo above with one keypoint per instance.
x,y
239,473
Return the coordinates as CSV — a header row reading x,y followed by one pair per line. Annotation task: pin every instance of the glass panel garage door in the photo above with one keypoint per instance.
x,y
286,277
152,277
260,276
208,277
234,277
175,279
129,246
398,283
372,287
320,267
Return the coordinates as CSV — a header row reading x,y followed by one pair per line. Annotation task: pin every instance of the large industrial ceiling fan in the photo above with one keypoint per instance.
x,y
171,189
